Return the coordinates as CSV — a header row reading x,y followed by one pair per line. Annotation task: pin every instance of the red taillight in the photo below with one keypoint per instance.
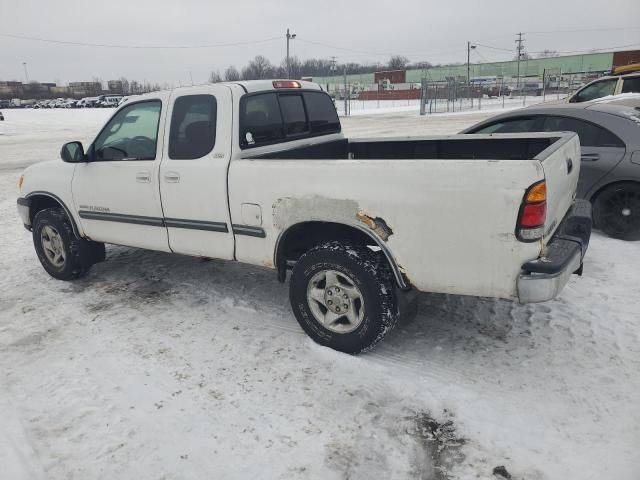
x,y
286,84
533,213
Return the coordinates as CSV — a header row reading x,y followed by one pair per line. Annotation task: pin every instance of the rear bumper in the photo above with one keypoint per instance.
x,y
544,278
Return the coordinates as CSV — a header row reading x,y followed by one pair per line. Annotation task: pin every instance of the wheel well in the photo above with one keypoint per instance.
x,y
593,197
40,202
301,237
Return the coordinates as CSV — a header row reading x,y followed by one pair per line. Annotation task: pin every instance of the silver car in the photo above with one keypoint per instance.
x,y
609,134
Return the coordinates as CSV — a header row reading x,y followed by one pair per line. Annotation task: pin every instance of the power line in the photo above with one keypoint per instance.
x,y
568,51
605,29
343,48
108,45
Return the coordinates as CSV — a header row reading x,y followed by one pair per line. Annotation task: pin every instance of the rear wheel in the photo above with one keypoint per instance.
x,y
343,296
616,211
63,255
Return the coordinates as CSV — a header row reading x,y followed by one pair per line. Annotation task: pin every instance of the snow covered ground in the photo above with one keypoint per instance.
x,y
161,366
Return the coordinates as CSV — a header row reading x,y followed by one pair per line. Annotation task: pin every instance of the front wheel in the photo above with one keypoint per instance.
x,y
616,211
63,255
343,296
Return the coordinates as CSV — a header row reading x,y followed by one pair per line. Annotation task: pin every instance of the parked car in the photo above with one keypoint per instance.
x,y
624,80
259,172
108,101
1,117
5,104
87,102
609,134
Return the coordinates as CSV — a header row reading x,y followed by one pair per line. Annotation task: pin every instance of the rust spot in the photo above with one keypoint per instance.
x,y
377,224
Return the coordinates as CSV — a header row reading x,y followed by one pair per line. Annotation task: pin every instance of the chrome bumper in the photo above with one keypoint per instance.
x,y
541,287
544,278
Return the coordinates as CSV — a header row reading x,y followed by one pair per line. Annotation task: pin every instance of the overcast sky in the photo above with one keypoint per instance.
x,y
436,31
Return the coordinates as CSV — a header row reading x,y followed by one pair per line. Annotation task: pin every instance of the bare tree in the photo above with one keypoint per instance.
x,y
258,68
398,62
548,54
214,77
231,74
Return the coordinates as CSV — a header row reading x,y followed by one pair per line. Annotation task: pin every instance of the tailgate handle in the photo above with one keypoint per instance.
x,y
569,165
590,157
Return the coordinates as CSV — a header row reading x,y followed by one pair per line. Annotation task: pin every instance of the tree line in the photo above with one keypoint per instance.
x,y
260,67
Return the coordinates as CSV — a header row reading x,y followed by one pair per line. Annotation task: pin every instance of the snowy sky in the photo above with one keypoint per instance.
x,y
352,31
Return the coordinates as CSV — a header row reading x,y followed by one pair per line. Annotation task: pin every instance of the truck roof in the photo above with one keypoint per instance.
x,y
252,86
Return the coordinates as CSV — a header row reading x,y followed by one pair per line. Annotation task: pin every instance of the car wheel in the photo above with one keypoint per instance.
x,y
63,255
343,296
616,211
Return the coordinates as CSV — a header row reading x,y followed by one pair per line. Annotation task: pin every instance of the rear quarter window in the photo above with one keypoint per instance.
x,y
631,85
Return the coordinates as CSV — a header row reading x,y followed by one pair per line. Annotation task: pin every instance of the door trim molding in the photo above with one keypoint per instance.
x,y
155,221
249,231
196,225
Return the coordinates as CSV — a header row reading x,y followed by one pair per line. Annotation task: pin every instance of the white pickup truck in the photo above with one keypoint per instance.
x,y
259,172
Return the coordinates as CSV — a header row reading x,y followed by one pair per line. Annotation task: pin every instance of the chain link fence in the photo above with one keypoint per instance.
x,y
455,94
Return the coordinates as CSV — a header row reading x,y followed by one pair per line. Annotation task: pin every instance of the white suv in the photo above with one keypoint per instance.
x,y
611,85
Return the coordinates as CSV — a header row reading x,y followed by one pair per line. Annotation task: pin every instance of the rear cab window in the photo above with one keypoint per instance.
x,y
276,117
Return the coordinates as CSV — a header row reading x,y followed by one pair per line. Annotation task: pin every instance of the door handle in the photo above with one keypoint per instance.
x,y
143,177
589,157
172,177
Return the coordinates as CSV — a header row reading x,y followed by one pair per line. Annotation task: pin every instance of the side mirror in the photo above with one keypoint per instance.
x,y
73,152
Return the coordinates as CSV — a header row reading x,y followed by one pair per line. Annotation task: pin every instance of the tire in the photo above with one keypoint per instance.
x,y
363,282
616,211
63,255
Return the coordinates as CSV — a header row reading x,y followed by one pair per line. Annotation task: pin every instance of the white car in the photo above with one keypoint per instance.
x,y
624,80
259,172
110,102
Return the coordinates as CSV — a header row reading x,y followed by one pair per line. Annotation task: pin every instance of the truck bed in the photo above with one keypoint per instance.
x,y
458,147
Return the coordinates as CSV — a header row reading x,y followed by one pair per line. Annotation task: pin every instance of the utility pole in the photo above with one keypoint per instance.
x,y
290,36
469,48
26,74
520,49
332,69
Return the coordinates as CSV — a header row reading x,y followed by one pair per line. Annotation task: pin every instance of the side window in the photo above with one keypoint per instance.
x,y
132,134
260,119
631,85
295,118
323,117
596,90
590,135
193,127
512,125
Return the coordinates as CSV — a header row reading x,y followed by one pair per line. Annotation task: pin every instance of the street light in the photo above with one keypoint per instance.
x,y
290,36
469,48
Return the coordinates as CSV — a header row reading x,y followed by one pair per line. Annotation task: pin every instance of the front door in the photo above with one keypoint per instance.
x,y
116,193
193,173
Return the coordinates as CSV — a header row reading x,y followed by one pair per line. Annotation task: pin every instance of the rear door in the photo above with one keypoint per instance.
x,y
601,150
193,173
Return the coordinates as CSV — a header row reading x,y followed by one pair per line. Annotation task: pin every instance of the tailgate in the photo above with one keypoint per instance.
x,y
561,165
